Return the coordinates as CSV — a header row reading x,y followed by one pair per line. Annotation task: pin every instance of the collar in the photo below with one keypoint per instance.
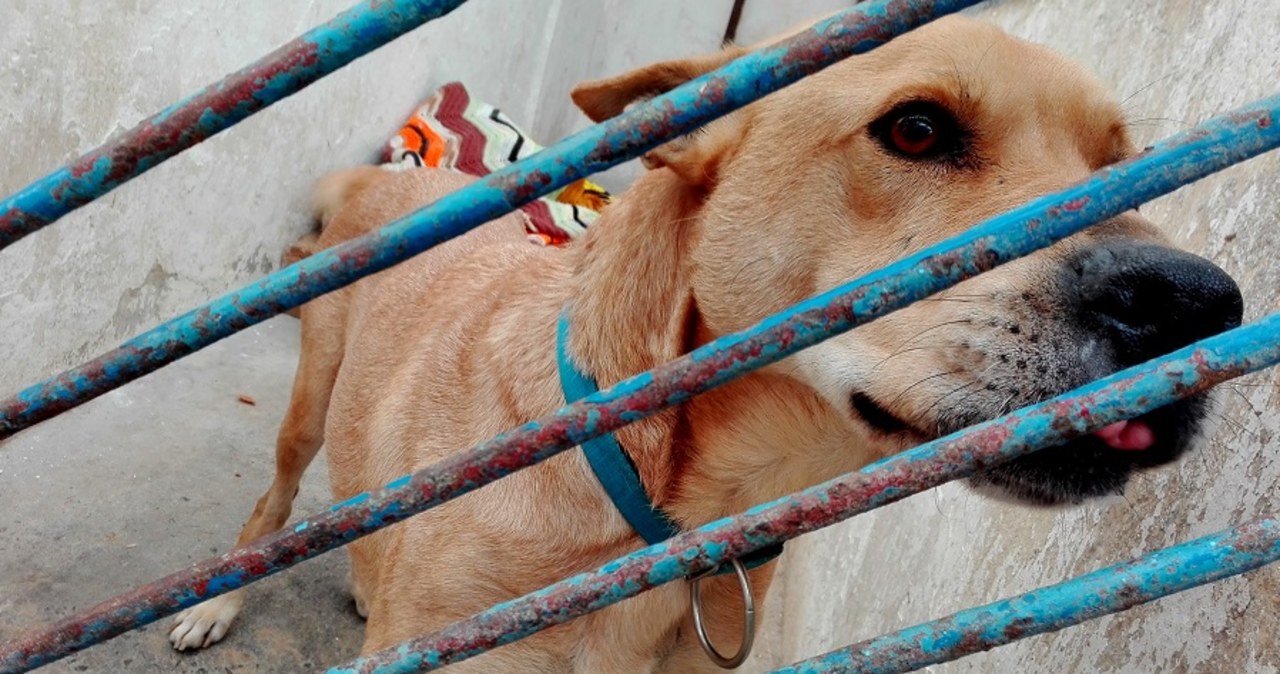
x,y
615,470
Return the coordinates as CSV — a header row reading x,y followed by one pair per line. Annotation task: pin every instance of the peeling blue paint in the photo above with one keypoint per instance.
x,y
1105,591
226,583
358,498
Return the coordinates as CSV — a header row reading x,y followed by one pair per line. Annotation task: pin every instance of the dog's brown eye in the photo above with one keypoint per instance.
x,y
914,135
919,130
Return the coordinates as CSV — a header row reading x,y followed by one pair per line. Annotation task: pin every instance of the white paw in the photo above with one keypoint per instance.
x,y
357,593
205,624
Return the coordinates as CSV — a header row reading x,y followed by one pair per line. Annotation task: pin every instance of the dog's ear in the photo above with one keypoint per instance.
x,y
695,157
607,98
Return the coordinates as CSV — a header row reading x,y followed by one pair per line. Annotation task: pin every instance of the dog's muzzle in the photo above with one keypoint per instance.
x,y
1138,301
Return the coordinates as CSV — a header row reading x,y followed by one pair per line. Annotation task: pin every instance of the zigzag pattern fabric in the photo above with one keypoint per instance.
x,y
451,130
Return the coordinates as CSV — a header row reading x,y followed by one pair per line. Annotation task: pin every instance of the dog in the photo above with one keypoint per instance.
x,y
822,182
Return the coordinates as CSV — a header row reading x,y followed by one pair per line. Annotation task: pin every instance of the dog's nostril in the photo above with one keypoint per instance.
x,y
1149,300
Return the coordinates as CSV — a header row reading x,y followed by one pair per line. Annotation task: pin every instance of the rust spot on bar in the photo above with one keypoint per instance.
x,y
1075,204
715,90
13,221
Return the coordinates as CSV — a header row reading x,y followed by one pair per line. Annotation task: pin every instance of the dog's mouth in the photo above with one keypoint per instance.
x,y
1098,464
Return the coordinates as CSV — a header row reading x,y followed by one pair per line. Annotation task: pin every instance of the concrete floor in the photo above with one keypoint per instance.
x,y
155,476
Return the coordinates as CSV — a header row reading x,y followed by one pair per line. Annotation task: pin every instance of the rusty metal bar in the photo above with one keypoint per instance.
x,y
1047,609
594,149
1123,395
217,107
1180,159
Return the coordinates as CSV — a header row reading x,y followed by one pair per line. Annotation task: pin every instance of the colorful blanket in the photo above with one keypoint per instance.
x,y
454,131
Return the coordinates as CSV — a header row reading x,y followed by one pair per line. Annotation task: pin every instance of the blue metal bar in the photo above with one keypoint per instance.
x,y
596,148
1123,395
1183,158
1110,590
217,107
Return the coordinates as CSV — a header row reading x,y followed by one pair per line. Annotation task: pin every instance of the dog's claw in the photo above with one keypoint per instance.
x,y
204,624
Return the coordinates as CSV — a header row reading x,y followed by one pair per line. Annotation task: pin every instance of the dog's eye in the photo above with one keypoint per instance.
x,y
913,135
919,130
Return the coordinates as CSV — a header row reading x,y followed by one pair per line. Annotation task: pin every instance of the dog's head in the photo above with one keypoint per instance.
x,y
886,153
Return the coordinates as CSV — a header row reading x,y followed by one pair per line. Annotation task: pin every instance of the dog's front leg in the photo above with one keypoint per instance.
x,y
633,636
300,437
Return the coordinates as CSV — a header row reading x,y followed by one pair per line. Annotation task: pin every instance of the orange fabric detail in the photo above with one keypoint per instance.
x,y
435,144
431,150
586,194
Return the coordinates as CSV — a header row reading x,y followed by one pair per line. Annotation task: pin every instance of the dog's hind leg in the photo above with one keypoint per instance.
x,y
300,437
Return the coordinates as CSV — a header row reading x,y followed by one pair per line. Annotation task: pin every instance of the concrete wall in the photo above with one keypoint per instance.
x,y
217,216
73,73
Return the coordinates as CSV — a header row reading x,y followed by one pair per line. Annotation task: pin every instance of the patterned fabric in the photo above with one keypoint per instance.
x,y
454,131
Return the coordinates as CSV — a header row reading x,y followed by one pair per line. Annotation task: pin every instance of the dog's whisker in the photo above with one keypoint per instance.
x,y
926,379
1167,120
1204,459
1240,427
917,336
885,360
945,299
1133,512
959,404
1143,88
972,296
1249,403
1004,407
948,395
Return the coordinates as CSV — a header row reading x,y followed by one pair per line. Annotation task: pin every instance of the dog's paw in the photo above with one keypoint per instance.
x,y
357,593
205,624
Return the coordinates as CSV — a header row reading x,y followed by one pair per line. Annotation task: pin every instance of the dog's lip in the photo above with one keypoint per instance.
x,y
880,418
1130,435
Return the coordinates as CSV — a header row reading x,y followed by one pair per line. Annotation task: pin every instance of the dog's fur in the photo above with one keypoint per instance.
x,y
768,206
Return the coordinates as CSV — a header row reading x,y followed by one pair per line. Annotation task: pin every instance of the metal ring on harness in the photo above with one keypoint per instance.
x,y
748,622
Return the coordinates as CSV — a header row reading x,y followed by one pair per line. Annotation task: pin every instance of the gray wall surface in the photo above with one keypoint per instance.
x,y
73,73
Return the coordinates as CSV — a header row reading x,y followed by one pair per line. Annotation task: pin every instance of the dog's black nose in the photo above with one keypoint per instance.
x,y
1149,300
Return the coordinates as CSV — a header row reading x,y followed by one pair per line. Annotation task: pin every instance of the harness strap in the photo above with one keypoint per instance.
x,y
617,473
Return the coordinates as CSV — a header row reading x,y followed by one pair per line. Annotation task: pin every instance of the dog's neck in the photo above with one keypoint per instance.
x,y
749,441
631,302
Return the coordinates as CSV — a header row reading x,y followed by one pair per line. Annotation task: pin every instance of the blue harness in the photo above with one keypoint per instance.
x,y
615,470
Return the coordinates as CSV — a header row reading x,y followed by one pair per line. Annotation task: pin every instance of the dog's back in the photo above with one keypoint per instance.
x,y
389,322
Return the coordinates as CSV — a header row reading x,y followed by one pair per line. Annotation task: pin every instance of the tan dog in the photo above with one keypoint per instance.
x,y
820,183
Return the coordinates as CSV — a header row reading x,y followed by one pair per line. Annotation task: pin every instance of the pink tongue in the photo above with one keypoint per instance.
x,y
1128,436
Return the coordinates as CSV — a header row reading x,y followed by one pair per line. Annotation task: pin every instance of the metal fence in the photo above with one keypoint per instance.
x,y
1200,151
